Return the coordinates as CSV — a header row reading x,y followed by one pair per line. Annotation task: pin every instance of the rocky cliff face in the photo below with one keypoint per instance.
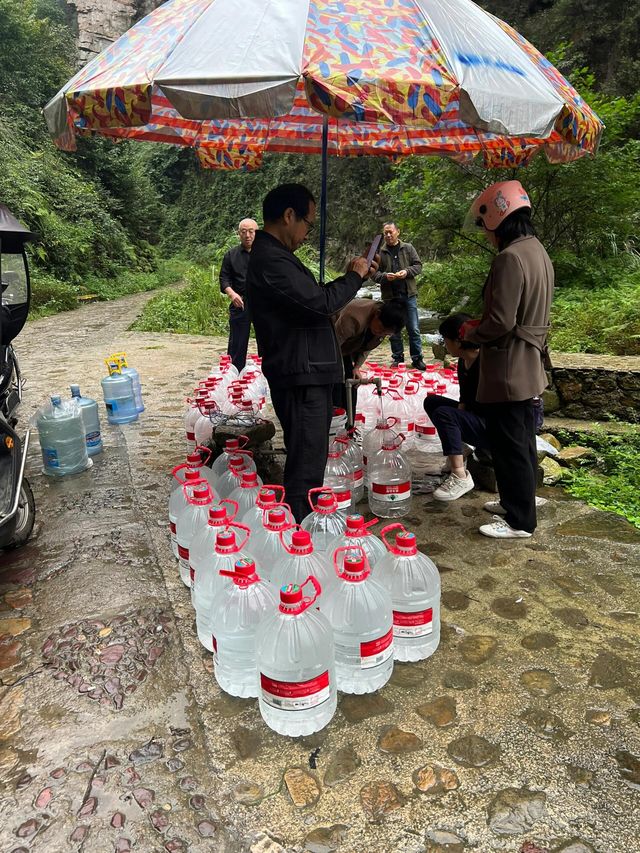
x,y
100,22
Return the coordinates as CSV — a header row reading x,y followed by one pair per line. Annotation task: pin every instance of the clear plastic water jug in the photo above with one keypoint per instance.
x,y
208,582
178,501
127,370
414,584
265,544
299,561
268,497
199,459
296,665
90,419
357,534
231,448
325,521
358,609
373,440
62,438
389,475
234,621
246,494
353,457
338,472
118,396
193,412
232,477
190,521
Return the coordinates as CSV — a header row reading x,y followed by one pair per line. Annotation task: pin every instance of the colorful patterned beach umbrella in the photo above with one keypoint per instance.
x,y
234,80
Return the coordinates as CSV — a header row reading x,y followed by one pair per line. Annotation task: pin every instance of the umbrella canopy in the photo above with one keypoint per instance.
x,y
392,77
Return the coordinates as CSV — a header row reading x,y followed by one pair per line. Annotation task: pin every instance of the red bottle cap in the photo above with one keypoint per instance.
x,y
291,594
407,542
249,479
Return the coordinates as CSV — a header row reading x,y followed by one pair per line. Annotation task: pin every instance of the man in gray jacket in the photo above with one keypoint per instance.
x,y
399,266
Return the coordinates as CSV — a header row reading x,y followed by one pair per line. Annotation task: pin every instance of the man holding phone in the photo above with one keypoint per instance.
x,y
399,266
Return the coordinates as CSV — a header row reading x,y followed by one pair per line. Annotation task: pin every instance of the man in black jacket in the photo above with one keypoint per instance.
x,y
297,341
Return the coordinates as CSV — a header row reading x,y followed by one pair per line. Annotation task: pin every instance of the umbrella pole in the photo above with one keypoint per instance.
x,y
323,195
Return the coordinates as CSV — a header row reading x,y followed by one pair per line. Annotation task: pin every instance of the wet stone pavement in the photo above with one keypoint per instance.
x,y
520,734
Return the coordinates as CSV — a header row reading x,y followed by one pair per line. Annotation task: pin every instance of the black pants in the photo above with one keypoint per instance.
x,y
512,441
455,425
305,416
239,329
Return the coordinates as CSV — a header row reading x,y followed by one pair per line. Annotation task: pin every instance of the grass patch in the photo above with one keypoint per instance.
x,y
196,309
614,485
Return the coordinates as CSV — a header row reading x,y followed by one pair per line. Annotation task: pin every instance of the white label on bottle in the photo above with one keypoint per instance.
x,y
295,695
183,558
375,652
391,493
417,624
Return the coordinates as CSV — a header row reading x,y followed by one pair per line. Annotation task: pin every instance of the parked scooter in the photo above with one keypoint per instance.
x,y
17,505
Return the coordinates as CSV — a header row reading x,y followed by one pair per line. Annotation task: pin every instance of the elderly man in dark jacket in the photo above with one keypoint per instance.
x,y
295,334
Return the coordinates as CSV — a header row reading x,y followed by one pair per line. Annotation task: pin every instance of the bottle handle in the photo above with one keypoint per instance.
x,y
244,452
306,603
274,488
391,421
246,581
368,524
192,484
174,471
281,533
234,504
317,491
352,548
246,529
383,535
204,452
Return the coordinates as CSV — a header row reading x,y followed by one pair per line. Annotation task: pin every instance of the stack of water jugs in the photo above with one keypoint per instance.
x,y
294,613
390,424
225,396
69,429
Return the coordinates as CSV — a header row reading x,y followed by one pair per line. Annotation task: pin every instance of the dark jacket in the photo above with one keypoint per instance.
x,y
292,316
352,328
409,261
514,325
233,270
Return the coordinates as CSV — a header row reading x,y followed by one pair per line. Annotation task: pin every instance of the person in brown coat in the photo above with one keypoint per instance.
x,y
361,326
513,337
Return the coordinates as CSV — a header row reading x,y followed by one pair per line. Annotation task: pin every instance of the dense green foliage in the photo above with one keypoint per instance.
x,y
615,484
97,214
106,214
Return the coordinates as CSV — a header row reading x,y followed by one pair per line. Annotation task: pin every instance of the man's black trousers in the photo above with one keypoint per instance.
x,y
305,416
512,441
239,329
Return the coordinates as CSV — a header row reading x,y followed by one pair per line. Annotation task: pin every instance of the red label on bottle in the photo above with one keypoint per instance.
x,y
395,492
410,427
358,474
214,643
375,652
183,558
417,624
295,695
192,575
172,528
425,430
191,436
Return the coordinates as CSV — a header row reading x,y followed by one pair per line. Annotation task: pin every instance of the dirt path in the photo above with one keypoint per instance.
x,y
114,736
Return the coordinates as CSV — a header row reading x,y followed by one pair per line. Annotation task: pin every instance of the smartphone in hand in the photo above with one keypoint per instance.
x,y
375,245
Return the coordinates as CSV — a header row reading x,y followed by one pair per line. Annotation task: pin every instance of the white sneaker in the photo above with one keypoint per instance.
x,y
496,508
499,529
453,488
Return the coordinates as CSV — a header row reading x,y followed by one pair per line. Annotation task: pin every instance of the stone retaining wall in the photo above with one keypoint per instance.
x,y
594,387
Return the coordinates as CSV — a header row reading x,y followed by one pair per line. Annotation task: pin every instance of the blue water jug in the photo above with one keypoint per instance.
x,y
90,419
121,359
62,438
118,396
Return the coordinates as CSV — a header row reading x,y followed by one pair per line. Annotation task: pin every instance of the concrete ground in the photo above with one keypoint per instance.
x,y
520,734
